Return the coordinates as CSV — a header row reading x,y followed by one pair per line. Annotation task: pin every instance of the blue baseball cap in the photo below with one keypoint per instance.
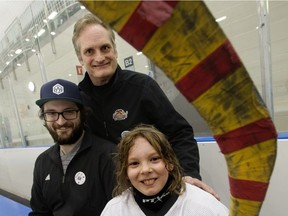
x,y
59,89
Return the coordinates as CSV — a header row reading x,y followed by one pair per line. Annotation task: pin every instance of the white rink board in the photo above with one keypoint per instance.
x,y
16,168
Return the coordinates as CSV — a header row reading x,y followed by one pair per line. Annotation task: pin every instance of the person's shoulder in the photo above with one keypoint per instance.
x,y
99,139
203,201
197,191
127,75
124,197
45,154
98,143
197,194
119,202
138,80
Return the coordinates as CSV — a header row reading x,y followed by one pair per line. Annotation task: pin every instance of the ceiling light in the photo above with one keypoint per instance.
x,y
27,39
82,7
18,64
18,51
139,53
41,32
53,33
31,86
221,19
52,15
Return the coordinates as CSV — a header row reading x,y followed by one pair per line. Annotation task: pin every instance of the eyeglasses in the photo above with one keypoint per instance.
x,y
54,116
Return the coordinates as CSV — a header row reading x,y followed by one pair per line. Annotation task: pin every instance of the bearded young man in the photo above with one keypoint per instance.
x,y
75,176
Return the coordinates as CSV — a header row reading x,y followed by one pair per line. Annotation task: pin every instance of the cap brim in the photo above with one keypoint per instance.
x,y
43,101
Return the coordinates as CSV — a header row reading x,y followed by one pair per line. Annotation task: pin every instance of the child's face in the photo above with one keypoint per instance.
x,y
146,169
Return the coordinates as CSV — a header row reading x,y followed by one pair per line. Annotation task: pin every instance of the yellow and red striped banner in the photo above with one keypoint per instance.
x,y
183,39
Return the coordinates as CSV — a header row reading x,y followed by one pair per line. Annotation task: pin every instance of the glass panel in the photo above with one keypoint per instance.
x,y
56,59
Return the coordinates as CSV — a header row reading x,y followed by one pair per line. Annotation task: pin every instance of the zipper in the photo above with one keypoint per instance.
x,y
105,127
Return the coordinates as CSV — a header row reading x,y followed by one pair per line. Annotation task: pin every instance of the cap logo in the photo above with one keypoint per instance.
x,y
58,89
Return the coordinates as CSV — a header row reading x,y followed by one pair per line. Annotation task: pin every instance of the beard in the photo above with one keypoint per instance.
x,y
66,139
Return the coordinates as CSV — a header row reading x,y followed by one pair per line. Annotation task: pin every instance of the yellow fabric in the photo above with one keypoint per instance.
x,y
186,39
231,103
116,13
179,45
253,163
247,207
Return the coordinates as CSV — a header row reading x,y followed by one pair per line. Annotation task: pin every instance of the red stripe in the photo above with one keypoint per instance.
x,y
223,61
145,20
248,135
248,190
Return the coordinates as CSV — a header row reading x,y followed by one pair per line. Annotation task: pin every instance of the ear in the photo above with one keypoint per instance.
x,y
80,59
169,167
115,51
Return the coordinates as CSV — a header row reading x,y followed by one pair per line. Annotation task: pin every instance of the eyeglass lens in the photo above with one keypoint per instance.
x,y
67,115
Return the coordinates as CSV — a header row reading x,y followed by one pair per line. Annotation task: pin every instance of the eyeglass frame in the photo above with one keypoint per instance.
x,y
62,114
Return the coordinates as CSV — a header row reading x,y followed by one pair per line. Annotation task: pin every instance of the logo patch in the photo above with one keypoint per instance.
x,y
47,177
80,178
58,89
124,133
120,114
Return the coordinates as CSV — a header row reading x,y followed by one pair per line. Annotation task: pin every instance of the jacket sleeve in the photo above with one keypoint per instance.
x,y
37,202
179,132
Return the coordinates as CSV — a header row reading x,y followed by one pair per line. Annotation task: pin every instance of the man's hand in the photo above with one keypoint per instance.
x,y
202,185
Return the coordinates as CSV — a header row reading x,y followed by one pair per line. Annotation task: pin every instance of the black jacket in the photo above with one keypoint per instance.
x,y
74,194
131,98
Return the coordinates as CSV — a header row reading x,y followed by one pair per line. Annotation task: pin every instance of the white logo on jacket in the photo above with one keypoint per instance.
x,y
80,178
47,177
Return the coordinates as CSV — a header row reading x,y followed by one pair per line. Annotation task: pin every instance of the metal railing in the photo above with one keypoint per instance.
x,y
34,28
